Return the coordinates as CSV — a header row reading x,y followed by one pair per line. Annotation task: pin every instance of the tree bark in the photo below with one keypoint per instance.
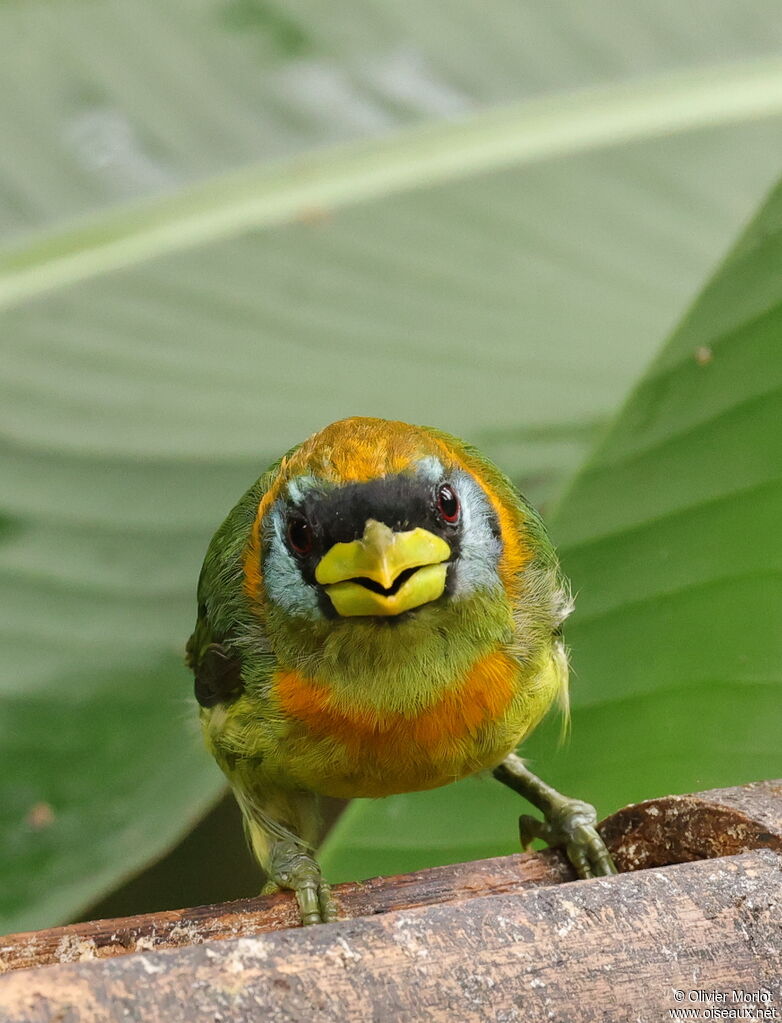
x,y
626,947
509,938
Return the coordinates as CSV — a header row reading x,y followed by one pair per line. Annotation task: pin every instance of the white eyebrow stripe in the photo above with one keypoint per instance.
x,y
430,468
298,488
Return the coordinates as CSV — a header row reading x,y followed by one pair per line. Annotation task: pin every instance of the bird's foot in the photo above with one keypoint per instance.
x,y
573,824
300,873
568,822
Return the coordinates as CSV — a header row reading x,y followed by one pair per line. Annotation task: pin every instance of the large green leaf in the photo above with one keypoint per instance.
x,y
529,132
671,537
144,385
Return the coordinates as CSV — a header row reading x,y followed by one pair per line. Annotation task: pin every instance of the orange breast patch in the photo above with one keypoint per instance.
x,y
481,697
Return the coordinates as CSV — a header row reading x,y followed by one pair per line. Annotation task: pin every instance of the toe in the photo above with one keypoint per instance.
x,y
577,855
589,855
328,907
309,903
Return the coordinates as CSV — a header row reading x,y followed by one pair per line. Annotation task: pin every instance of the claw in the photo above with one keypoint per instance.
x,y
529,830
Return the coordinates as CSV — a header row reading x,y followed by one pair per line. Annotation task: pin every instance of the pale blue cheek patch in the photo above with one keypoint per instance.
x,y
281,575
480,549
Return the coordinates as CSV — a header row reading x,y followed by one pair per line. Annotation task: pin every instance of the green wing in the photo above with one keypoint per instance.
x,y
225,626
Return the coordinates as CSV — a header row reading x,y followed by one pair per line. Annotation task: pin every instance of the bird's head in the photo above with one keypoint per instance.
x,y
379,520
381,555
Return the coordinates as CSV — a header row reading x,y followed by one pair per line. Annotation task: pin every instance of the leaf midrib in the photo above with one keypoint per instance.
x,y
264,195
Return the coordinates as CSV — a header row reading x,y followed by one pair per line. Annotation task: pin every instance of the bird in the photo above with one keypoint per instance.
x,y
381,612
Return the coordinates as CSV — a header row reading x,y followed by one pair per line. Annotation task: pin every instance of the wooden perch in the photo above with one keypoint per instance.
x,y
102,939
678,829
503,938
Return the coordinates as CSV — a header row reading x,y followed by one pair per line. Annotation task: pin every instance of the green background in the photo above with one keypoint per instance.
x,y
226,224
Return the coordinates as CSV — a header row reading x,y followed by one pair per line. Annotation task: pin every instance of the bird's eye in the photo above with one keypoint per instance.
x,y
448,504
300,535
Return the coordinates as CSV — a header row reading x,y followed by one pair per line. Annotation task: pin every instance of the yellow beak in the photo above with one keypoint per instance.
x,y
380,557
